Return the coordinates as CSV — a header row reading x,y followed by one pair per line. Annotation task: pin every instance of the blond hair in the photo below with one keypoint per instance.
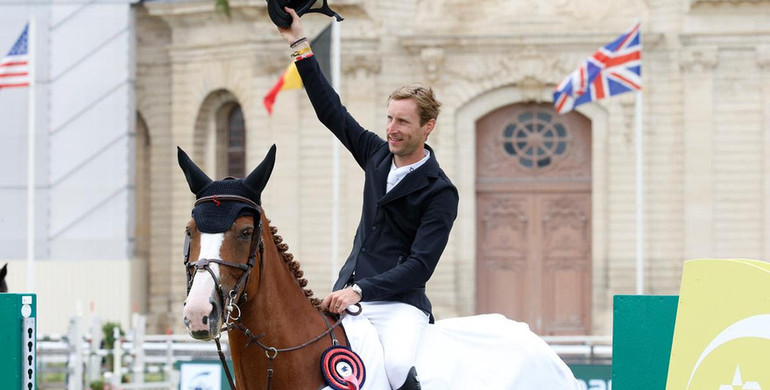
x,y
427,106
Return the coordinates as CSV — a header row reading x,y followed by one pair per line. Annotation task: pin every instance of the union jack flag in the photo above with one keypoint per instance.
x,y
614,69
14,67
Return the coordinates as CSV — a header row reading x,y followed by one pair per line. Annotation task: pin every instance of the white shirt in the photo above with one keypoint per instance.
x,y
396,174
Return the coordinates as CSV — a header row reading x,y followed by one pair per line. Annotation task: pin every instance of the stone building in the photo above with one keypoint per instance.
x,y
547,241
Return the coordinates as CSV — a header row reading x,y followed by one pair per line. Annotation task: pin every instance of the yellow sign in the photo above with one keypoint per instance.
x,y
722,330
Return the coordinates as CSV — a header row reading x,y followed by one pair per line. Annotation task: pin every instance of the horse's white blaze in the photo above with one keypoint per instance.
x,y
198,305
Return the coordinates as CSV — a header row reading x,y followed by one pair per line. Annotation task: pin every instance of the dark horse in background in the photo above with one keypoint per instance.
x,y
240,278
3,273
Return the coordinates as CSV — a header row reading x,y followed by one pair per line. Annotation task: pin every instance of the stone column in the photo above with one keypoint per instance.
x,y
697,65
763,60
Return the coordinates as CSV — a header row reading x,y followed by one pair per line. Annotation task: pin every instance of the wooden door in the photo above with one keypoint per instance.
x,y
533,210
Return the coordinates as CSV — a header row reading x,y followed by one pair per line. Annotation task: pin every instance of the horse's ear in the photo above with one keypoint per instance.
x,y
196,179
257,179
4,271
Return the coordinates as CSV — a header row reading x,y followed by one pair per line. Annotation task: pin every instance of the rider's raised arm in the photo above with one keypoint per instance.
x,y
330,111
326,102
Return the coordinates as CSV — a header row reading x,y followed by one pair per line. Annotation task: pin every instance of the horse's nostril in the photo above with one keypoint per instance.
x,y
205,320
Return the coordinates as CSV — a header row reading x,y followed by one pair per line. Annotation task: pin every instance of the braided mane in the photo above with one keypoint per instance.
x,y
293,265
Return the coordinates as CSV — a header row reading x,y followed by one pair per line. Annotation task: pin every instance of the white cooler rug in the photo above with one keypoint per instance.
x,y
484,352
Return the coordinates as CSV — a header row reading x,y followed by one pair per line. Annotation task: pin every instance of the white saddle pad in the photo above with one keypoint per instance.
x,y
480,352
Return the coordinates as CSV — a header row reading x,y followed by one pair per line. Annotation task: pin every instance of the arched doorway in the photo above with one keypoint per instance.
x,y
533,217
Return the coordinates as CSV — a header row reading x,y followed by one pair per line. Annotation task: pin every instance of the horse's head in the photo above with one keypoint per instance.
x,y
221,247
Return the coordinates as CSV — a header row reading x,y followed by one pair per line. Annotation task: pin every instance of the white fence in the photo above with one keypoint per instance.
x,y
134,356
582,349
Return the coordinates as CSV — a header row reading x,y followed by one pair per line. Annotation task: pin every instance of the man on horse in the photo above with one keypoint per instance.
x,y
409,207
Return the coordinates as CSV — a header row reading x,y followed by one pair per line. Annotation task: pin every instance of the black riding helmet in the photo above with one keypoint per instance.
x,y
301,7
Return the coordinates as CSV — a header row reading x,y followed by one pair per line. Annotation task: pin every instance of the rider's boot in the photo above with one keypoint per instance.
x,y
412,382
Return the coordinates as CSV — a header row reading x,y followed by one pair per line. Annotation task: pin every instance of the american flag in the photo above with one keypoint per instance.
x,y
614,69
14,67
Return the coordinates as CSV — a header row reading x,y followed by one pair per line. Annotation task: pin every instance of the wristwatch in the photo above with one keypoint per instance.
x,y
357,289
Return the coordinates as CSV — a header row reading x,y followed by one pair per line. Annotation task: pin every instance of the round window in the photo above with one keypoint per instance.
x,y
535,140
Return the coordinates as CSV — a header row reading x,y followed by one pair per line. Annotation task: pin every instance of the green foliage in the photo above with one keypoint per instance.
x,y
223,6
150,377
109,333
97,385
109,340
53,374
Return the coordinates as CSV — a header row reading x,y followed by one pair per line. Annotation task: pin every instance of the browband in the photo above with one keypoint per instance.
x,y
220,198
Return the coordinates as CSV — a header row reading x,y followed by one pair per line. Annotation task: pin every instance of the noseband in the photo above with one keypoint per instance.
x,y
204,264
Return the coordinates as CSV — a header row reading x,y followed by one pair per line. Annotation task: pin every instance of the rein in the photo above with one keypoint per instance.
x,y
234,322
272,352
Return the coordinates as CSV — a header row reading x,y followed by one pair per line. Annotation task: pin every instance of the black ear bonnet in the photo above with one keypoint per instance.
x,y
301,7
217,215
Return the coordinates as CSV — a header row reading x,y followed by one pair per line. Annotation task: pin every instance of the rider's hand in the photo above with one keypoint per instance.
x,y
339,300
294,32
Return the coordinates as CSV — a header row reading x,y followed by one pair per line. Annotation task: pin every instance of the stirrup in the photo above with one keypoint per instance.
x,y
412,381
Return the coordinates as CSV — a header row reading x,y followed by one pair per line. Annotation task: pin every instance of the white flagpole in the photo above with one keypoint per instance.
x,y
336,42
639,195
31,157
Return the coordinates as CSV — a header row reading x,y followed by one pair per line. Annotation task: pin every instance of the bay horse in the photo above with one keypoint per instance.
x,y
241,278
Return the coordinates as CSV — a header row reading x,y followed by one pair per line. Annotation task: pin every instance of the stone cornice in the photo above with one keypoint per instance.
x,y
240,10
432,59
356,61
589,40
699,58
713,3
175,12
528,68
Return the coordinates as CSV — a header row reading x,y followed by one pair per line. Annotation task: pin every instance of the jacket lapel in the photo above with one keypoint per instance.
x,y
381,171
412,182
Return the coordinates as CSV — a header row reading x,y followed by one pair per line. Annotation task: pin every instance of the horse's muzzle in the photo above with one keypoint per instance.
x,y
203,318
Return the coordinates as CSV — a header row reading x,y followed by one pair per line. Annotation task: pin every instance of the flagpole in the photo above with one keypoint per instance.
x,y
336,42
639,195
31,157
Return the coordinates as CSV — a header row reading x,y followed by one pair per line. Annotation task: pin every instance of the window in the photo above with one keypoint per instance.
x,y
236,142
535,139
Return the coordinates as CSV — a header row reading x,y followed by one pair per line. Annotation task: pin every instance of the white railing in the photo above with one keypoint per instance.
x,y
589,349
135,354
138,354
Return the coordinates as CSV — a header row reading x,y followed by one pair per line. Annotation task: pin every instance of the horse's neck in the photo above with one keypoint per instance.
x,y
279,309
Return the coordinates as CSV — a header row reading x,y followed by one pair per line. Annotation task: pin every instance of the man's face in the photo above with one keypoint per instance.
x,y
406,138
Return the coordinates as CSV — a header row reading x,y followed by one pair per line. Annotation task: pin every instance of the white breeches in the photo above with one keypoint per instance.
x,y
400,327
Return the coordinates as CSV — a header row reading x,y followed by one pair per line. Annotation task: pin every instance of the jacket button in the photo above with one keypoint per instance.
x,y
374,228
363,250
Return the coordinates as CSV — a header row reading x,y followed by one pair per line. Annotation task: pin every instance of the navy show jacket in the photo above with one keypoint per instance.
x,y
402,233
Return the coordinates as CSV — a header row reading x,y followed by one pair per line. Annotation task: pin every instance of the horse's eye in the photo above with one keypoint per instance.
x,y
247,233
188,232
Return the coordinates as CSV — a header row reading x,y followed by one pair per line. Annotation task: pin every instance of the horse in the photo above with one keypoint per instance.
x,y
241,279
3,274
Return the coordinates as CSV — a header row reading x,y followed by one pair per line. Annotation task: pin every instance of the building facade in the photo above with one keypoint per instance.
x,y
83,220
546,227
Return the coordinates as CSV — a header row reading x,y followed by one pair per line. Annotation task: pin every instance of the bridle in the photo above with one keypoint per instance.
x,y
230,304
203,264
